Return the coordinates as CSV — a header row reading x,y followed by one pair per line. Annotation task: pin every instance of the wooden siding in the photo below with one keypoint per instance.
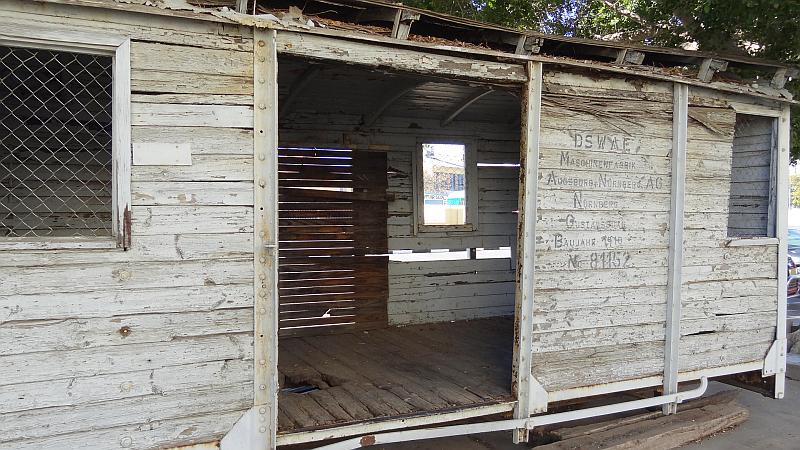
x,y
729,293
601,231
602,222
152,347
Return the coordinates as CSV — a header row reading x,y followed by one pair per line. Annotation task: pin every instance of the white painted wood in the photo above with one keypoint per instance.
x,y
57,243
354,52
121,144
750,242
118,47
29,35
203,140
526,245
142,407
181,115
190,60
680,120
162,154
781,226
190,193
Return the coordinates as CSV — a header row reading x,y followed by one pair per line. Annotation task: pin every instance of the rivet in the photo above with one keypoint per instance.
x,y
263,311
262,156
262,260
262,294
263,276
263,410
261,43
262,106
263,429
126,442
262,81
262,387
263,362
262,183
262,58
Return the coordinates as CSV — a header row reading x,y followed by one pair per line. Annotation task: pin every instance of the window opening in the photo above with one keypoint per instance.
x,y
751,211
55,143
444,184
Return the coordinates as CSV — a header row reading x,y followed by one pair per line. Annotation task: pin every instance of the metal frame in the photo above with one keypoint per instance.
x,y
680,119
524,423
119,48
523,381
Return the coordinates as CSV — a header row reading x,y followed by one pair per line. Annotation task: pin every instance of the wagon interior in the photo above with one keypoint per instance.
x,y
397,239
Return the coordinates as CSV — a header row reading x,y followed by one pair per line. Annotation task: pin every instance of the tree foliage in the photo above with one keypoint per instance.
x,y
765,28
794,187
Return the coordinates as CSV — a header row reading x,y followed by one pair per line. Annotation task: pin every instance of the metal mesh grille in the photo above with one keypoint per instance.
x,y
55,143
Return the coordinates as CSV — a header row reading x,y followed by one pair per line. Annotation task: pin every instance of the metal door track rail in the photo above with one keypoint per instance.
x,y
513,424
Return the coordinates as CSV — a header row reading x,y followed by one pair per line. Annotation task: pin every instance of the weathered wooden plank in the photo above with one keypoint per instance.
x,y
145,435
20,337
159,220
203,168
156,193
144,406
17,369
156,29
202,140
190,60
319,47
181,115
135,275
160,81
165,381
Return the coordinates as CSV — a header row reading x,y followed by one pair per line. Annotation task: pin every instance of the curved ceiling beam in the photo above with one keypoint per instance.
x,y
404,89
459,108
297,87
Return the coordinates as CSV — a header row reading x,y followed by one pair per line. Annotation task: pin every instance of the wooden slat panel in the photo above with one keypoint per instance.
x,y
328,280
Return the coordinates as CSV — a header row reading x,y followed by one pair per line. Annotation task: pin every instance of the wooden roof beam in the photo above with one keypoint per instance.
x,y
403,19
628,56
388,101
400,18
297,88
709,67
464,104
528,45
782,75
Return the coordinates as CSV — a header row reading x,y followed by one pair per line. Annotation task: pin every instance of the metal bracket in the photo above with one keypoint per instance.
x,y
539,398
775,361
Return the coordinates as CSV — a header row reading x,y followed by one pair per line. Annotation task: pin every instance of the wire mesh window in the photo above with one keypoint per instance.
x,y
55,143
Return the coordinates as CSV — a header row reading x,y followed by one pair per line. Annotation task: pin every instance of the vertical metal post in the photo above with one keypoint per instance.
x,y
781,231
680,118
265,240
526,246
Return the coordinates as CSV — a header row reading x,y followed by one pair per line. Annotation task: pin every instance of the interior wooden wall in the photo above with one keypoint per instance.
x,y
429,291
750,173
152,347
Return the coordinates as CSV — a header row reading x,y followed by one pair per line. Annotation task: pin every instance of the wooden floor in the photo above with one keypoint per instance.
x,y
393,372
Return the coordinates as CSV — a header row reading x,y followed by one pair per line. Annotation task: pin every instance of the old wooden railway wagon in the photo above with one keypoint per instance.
x,y
250,229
